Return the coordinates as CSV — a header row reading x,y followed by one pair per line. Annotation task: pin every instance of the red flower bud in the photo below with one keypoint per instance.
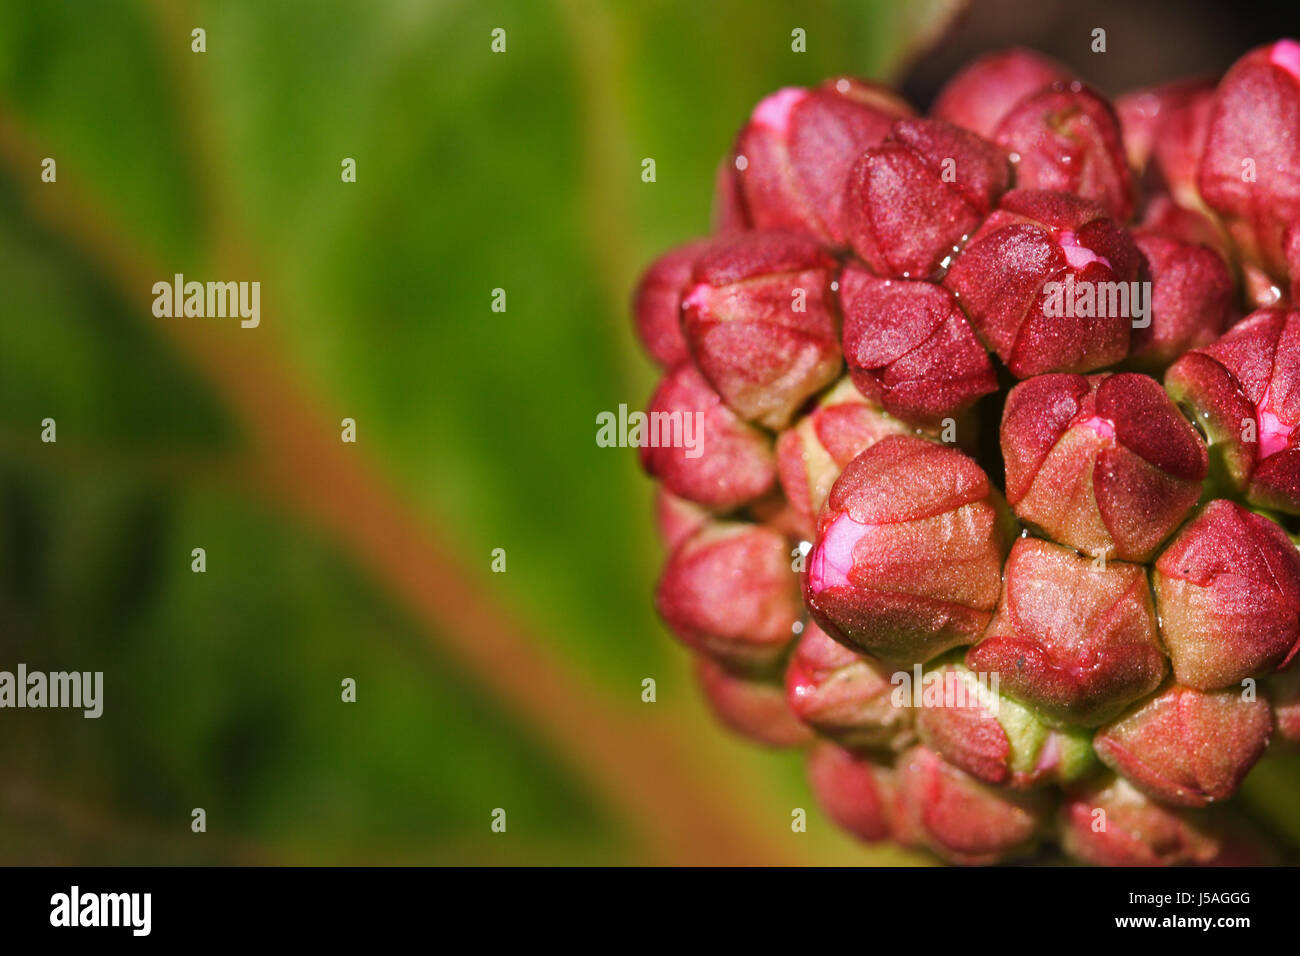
x,y
961,819
657,302
1072,638
1228,590
1187,747
1245,391
731,462
1106,464
729,591
1250,167
1164,217
855,792
984,92
1148,116
1066,137
909,347
676,519
909,549
752,708
967,722
1111,823
1191,299
761,323
810,456
845,696
1002,280
913,200
792,158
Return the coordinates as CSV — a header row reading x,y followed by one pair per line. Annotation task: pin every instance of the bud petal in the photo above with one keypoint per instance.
x,y
845,696
984,92
676,519
1245,390
1250,168
728,591
752,708
961,819
1076,641
1187,747
1228,590
732,462
1191,299
1147,116
1002,276
792,158
1105,464
855,792
909,549
909,347
761,323
966,721
657,302
913,200
1066,137
810,456
1111,823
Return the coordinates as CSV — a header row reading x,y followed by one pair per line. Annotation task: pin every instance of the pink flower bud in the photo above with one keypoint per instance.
x,y
909,347
792,158
1191,299
657,302
1111,823
1250,168
731,462
907,562
1187,747
1073,638
1164,217
855,792
845,696
966,721
913,200
761,323
1228,590
1245,391
1147,116
1105,463
1066,137
984,92
1018,277
810,456
676,519
752,708
961,819
729,591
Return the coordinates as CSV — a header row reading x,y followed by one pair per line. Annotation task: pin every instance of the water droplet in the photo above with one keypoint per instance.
x,y
742,163
842,85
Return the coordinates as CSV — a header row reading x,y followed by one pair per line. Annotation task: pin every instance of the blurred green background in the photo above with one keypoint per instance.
x,y
475,429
